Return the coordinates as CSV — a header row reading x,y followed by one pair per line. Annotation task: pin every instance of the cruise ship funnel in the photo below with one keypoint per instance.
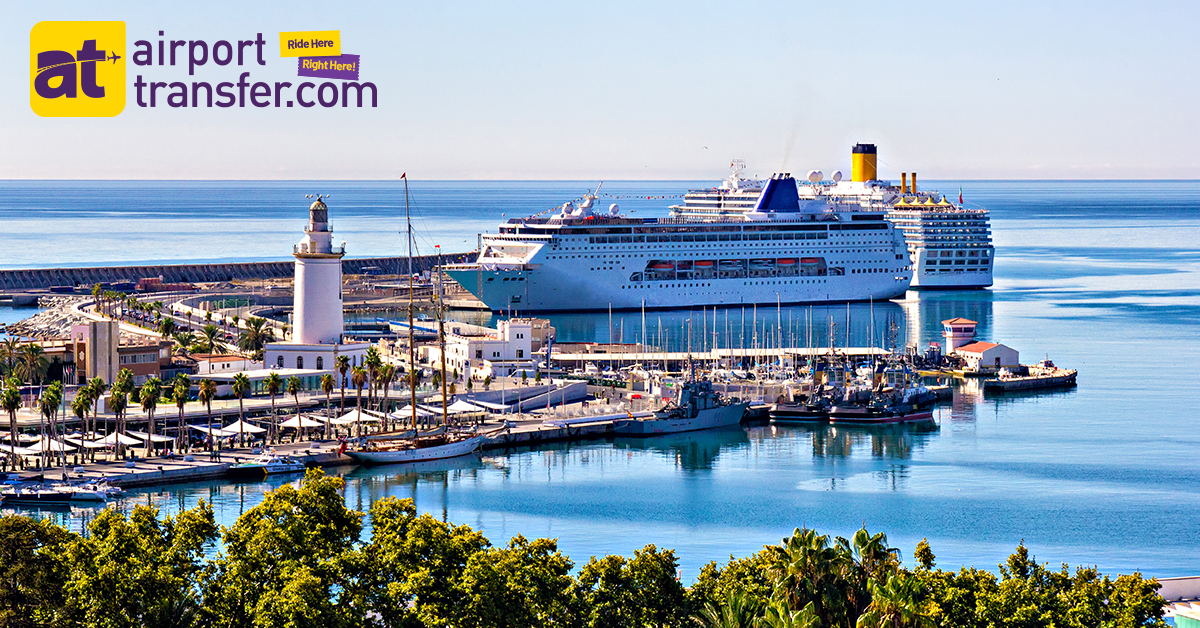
x,y
862,164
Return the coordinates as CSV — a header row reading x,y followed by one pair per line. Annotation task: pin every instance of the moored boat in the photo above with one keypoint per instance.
x,y
698,408
267,463
421,448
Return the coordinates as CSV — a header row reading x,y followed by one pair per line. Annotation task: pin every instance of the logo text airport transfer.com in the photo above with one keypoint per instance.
x,y
95,88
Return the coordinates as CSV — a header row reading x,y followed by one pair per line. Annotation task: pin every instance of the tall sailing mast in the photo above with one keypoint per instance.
x,y
441,314
412,349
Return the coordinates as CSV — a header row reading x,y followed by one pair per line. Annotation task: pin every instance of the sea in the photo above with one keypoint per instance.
x,y
1100,276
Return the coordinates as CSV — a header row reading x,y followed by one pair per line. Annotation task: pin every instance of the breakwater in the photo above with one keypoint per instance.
x,y
44,278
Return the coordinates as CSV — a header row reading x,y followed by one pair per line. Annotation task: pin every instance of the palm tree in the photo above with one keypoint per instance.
x,y
241,386
49,411
117,403
183,341
209,338
79,407
10,400
739,611
293,388
33,365
208,392
234,319
387,375
255,336
894,604
327,388
96,388
343,365
10,355
372,361
166,327
358,377
150,393
180,389
273,383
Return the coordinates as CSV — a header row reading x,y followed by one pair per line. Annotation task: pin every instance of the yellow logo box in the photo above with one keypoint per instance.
x,y
77,69
310,44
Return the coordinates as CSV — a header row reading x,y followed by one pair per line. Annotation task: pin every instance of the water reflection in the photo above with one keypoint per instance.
x,y
691,451
886,442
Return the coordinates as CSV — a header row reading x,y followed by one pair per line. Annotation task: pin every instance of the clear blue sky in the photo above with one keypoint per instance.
x,y
653,90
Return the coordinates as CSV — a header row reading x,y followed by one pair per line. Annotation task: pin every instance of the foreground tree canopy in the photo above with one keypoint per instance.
x,y
299,559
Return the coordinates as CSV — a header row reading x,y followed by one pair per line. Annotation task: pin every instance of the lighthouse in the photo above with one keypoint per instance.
x,y
317,308
316,341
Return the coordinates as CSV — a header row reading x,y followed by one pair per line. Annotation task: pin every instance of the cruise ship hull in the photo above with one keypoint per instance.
x,y
560,289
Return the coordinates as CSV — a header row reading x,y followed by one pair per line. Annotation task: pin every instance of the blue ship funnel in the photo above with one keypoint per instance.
x,y
779,195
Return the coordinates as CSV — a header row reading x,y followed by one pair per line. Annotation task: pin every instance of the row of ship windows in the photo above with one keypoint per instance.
x,y
707,285
975,253
648,253
712,237
957,262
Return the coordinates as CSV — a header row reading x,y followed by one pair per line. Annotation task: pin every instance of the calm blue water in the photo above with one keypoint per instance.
x,y
1100,276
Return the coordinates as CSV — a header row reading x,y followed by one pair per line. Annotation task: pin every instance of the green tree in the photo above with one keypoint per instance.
x,y
293,388
372,362
241,386
140,570
343,365
273,383
183,341
33,572
527,584
150,394
288,562
206,394
642,591
181,388
411,567
894,604
255,335
166,327
33,364
327,388
10,400
358,377
118,402
210,339
739,610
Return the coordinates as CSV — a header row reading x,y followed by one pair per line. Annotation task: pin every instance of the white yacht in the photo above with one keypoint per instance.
x,y
781,250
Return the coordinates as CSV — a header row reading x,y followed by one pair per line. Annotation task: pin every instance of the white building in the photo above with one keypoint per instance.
x,y
482,353
209,364
988,356
316,340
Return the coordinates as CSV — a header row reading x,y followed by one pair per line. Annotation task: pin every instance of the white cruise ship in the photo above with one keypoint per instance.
x,y
780,250
950,246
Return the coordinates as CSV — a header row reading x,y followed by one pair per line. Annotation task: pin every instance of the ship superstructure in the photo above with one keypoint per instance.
x,y
734,195
781,250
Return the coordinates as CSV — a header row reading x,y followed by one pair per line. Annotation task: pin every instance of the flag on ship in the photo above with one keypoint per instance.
x,y
960,196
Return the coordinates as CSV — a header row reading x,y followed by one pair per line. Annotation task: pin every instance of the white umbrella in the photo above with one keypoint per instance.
x,y
216,431
406,412
461,406
49,444
239,426
112,439
297,422
18,451
354,416
154,438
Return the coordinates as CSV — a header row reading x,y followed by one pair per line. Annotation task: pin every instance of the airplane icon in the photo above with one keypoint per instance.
x,y
114,56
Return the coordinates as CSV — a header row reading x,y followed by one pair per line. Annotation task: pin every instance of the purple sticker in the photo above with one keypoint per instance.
x,y
341,67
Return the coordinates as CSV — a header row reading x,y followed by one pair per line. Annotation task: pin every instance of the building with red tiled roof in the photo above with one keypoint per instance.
x,y
988,356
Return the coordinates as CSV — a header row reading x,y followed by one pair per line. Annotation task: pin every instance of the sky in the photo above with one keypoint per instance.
x,y
650,90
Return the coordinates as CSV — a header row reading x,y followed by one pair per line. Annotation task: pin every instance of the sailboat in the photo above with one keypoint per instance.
x,y
415,445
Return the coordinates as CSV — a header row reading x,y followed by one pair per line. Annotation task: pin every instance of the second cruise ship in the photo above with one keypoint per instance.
x,y
949,245
778,248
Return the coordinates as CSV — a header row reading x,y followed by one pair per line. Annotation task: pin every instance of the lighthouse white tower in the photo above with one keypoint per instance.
x,y
316,340
317,309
